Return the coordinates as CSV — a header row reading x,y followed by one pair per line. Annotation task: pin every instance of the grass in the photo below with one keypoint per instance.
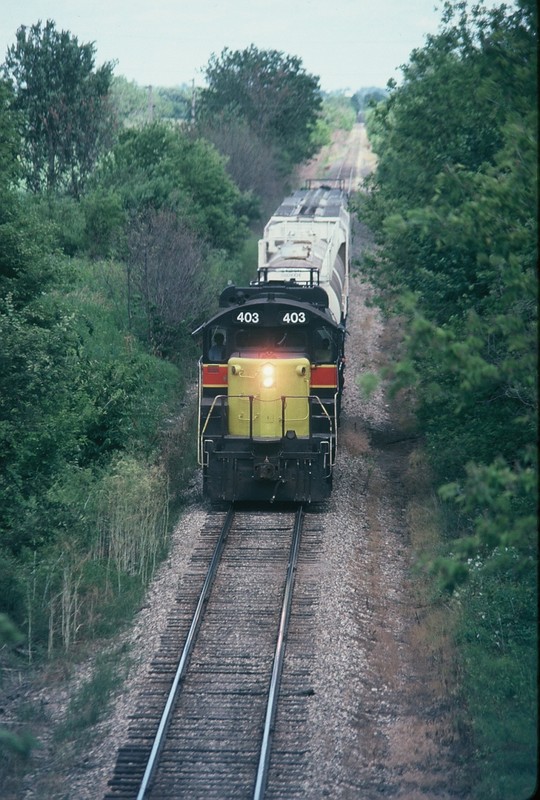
x,y
498,645
91,702
483,641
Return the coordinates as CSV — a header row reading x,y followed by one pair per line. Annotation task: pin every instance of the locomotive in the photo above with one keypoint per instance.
x,y
272,364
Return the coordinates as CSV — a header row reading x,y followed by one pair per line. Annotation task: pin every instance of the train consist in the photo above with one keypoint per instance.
x,y
271,371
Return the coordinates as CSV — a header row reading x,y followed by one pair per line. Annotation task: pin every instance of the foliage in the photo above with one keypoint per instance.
x,y
454,208
129,101
9,140
176,219
112,528
498,643
63,104
75,391
455,212
161,167
136,105
133,517
102,250
26,266
92,700
366,97
337,114
22,743
93,226
174,102
167,267
278,99
252,163
104,223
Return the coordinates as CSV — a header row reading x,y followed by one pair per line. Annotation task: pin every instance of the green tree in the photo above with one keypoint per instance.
x,y
66,120
9,140
135,105
338,111
454,207
174,102
252,164
337,114
362,99
161,167
272,91
129,101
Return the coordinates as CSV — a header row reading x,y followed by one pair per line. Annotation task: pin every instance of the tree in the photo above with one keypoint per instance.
x,y
130,101
135,105
454,206
366,97
162,167
455,210
9,140
251,163
174,102
167,267
66,120
275,95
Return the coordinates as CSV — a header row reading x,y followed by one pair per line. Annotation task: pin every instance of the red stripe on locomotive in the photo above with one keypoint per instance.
x,y
324,376
214,375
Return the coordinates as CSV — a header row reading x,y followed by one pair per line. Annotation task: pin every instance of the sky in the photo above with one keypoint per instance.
x,y
349,44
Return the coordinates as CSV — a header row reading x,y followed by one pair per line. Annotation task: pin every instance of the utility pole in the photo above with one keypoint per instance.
x,y
193,101
150,104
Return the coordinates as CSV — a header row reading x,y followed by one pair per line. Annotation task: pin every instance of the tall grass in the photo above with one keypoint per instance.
x,y
133,518
91,577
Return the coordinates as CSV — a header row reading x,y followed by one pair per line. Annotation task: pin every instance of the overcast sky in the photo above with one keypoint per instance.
x,y
349,44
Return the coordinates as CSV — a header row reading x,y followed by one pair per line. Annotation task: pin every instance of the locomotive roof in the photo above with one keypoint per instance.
x,y
273,290
296,295
323,201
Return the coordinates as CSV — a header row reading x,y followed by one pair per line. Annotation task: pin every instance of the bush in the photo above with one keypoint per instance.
x,y
499,645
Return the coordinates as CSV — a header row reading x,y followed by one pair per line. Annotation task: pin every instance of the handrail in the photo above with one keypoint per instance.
x,y
224,398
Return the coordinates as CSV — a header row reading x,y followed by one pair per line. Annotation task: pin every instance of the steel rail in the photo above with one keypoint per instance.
x,y
279,655
184,659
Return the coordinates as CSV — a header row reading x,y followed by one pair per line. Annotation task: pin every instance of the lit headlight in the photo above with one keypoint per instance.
x,y
268,376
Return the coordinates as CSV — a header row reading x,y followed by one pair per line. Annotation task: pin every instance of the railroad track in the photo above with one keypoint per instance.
x,y
207,723
353,167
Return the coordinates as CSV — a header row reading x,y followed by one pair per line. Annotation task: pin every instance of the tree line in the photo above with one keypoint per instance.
x,y
454,208
122,215
117,230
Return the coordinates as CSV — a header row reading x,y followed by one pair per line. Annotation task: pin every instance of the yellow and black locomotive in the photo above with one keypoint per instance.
x,y
271,372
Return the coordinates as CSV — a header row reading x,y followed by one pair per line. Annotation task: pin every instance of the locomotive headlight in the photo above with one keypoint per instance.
x,y
268,376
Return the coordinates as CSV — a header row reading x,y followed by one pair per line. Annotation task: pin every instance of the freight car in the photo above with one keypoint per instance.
x,y
271,370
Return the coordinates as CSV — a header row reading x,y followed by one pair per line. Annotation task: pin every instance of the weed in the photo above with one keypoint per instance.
x,y
90,704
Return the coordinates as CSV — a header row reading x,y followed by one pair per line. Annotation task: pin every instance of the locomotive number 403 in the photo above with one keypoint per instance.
x,y
250,317
290,318
294,317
